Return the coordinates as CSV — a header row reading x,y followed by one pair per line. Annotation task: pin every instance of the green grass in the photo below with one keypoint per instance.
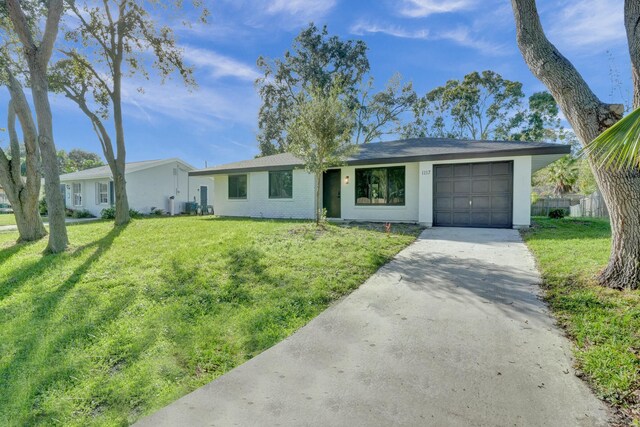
x,y
128,320
7,219
604,323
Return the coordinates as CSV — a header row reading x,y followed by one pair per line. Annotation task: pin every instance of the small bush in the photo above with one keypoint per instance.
x,y
42,206
108,213
81,213
557,213
157,211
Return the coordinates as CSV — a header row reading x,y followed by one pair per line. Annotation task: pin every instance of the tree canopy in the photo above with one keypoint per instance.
x,y
316,63
115,40
77,160
485,106
320,135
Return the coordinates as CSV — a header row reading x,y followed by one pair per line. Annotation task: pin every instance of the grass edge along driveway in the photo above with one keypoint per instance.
x,y
129,319
603,324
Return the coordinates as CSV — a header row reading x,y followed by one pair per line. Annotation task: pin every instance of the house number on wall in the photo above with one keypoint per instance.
x,y
426,172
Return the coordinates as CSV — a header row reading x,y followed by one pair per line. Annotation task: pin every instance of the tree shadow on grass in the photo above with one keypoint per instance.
x,y
39,267
44,305
7,253
41,322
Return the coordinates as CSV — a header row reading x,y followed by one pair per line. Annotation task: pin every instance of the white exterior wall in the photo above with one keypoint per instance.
x,y
521,188
195,182
418,195
259,205
88,192
146,189
406,213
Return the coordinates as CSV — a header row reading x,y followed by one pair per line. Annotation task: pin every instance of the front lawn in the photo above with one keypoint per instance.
x,y
129,319
7,219
604,324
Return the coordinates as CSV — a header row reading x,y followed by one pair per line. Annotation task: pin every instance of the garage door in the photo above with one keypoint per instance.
x,y
473,195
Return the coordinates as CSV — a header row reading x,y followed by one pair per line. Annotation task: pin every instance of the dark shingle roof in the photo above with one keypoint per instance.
x,y
405,150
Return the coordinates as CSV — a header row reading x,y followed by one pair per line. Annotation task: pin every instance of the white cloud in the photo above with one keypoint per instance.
x,y
204,107
592,24
281,14
460,35
422,8
361,28
219,65
303,9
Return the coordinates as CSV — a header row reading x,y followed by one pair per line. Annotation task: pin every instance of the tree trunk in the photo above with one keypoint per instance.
x,y
37,56
58,239
318,199
28,220
122,203
621,191
589,117
22,194
119,163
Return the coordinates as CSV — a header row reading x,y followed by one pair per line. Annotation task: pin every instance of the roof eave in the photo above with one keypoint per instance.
x,y
230,171
532,151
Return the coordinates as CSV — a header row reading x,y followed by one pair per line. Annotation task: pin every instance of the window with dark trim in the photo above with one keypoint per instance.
x,y
380,186
280,184
237,186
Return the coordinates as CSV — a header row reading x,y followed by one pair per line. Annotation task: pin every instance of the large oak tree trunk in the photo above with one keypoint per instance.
x,y
58,239
37,57
621,191
23,194
589,117
30,227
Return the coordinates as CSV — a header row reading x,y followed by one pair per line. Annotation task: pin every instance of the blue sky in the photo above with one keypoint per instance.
x,y
426,41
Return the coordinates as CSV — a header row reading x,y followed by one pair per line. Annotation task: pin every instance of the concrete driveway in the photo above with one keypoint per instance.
x,y
451,332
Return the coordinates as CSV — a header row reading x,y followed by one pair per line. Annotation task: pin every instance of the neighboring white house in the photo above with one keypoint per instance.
x,y
431,181
150,184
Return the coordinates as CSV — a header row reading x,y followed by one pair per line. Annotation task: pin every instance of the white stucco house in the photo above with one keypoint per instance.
x,y
430,181
150,184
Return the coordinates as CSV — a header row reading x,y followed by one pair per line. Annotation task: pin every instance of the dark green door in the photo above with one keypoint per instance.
x,y
204,196
331,193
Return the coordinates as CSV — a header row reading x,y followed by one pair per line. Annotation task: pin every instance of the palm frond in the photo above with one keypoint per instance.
x,y
619,146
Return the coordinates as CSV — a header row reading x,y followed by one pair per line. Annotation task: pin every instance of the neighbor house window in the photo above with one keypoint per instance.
x,y
380,186
237,186
280,184
77,194
102,193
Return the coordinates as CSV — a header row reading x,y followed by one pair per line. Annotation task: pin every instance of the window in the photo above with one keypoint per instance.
x,y
77,194
380,186
280,184
238,186
102,193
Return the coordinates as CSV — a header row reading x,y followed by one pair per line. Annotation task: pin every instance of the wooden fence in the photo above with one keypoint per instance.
x,y
590,206
542,207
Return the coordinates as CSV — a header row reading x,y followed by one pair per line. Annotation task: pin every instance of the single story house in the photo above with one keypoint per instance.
x,y
430,181
150,184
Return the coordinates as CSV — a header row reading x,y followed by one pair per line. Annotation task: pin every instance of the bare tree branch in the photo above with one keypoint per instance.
x,y
565,83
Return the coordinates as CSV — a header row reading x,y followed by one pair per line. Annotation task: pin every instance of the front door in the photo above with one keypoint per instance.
x,y
331,193
203,196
